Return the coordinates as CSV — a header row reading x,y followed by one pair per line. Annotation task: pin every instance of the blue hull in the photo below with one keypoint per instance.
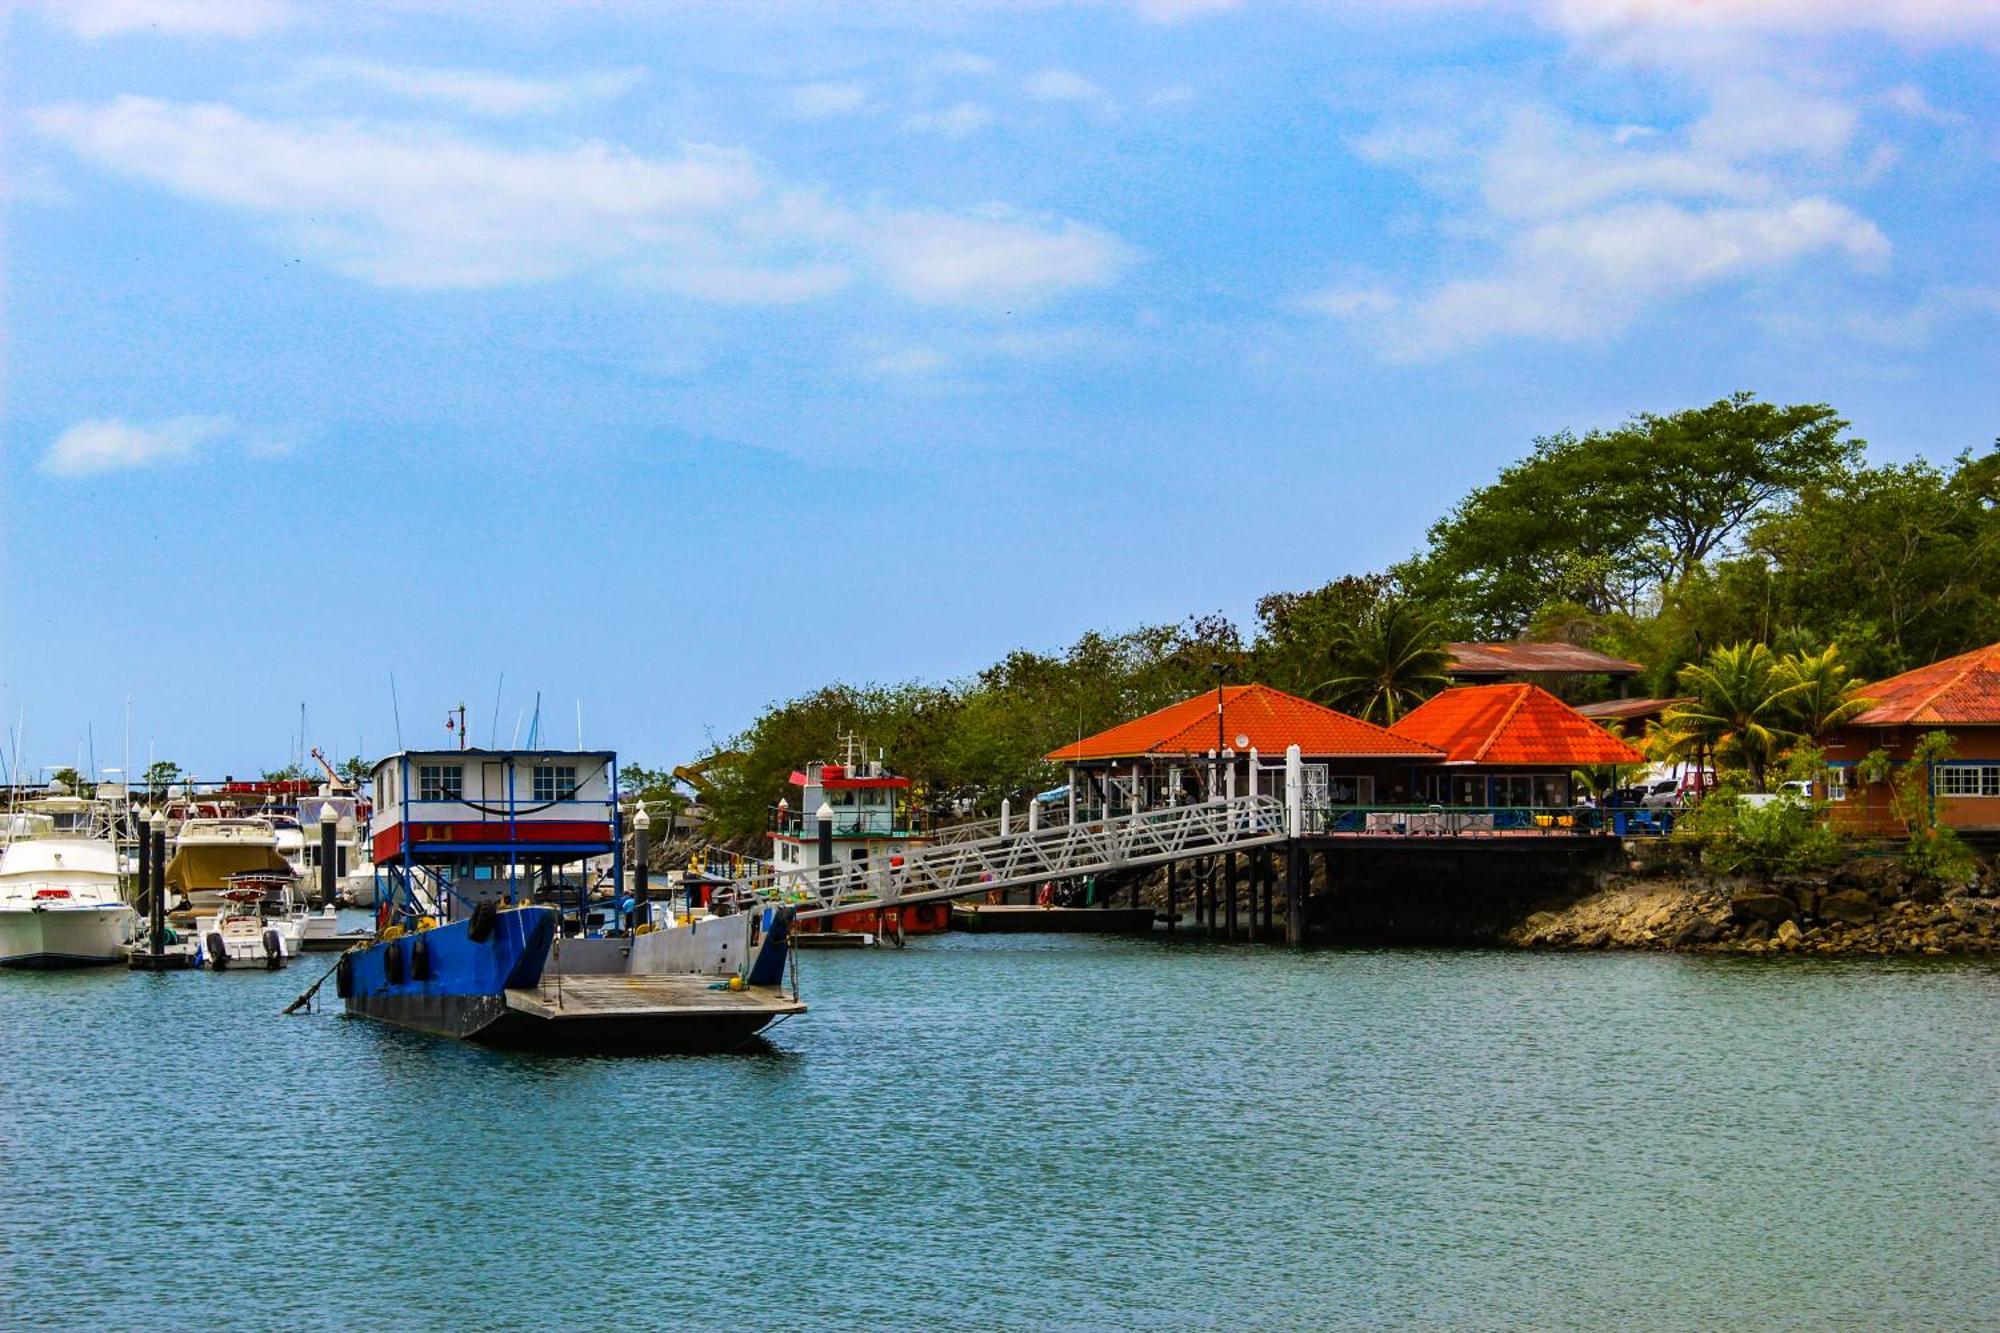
x,y
442,980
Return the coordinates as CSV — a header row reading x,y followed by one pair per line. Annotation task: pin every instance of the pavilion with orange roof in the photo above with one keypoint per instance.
x,y
1959,696
1507,746
1167,756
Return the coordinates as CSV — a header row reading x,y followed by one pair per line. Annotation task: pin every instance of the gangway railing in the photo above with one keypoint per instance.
x,y
1070,851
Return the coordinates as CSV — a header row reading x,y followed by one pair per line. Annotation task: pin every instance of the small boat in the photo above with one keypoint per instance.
x,y
59,895
258,923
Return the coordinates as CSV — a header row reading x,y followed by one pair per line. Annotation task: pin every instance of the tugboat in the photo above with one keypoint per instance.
x,y
488,931
851,812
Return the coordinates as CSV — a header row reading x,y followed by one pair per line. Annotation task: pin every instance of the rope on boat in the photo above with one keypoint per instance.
x,y
312,990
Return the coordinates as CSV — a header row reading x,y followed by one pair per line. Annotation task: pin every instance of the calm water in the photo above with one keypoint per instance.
x,y
1032,1132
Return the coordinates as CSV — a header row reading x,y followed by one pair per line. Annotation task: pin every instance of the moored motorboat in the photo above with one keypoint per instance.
x,y
208,851
59,898
257,923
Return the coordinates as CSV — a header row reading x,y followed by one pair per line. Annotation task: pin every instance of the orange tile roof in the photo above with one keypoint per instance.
x,y
1512,724
1268,719
1959,691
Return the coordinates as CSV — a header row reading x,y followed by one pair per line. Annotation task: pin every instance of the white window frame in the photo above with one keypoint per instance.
x,y
1964,780
549,783
440,782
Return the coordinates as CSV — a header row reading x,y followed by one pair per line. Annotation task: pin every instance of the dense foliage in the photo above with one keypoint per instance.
x,y
1728,548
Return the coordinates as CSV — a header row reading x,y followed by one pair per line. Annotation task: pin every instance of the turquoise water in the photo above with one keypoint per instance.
x,y
1038,1131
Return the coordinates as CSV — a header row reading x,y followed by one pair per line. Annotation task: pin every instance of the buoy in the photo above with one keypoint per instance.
x,y
736,983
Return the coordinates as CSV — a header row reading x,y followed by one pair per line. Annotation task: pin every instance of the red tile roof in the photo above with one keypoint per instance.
x,y
1267,719
1512,724
1959,691
1511,659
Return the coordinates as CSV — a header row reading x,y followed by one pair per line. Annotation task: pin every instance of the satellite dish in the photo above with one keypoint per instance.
x,y
1242,742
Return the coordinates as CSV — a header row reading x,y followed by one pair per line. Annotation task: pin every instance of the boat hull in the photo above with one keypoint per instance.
x,y
460,989
63,937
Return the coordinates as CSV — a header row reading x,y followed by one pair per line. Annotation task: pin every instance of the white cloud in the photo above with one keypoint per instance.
x,y
1347,302
1063,85
1579,277
992,258
110,444
477,91
1922,19
1909,100
1180,11
957,64
823,101
94,19
1761,118
909,363
423,208
1174,94
955,121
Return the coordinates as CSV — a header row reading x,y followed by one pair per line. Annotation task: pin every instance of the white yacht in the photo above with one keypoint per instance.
x,y
208,851
59,891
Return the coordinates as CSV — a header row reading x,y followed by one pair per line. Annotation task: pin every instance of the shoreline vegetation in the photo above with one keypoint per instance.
x,y
1752,559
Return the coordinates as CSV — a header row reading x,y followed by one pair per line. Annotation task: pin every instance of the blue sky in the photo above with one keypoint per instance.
x,y
678,358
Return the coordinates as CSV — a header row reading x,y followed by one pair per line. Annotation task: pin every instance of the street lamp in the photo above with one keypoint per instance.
x,y
1215,776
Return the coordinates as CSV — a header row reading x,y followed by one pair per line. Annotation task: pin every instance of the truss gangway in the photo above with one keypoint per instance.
x,y
1028,857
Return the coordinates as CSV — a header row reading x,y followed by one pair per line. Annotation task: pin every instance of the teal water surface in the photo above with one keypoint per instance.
x,y
985,1132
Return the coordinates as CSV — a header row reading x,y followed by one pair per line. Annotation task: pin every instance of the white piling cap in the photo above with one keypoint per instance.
x,y
640,819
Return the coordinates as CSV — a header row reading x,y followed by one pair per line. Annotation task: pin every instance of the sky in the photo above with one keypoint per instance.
x,y
667,360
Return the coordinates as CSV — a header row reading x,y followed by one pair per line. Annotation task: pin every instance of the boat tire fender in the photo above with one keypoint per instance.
x,y
420,959
392,963
484,916
218,952
343,976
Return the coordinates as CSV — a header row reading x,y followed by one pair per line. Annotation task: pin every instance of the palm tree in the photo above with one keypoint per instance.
x,y
1388,661
1739,709
1827,696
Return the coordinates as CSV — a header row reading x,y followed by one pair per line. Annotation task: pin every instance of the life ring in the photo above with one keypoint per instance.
x,y
392,963
923,916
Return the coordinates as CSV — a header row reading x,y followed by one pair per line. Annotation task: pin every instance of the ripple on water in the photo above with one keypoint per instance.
x,y
1032,1131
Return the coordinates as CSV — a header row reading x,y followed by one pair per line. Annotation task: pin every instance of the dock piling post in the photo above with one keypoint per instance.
x,y
1173,903
329,862
1295,898
642,888
1006,816
158,834
1229,896
142,892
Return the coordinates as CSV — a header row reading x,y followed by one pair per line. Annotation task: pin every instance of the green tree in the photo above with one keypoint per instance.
x,y
1738,709
1297,631
1391,661
353,770
1901,563
160,775
1932,850
289,773
1823,697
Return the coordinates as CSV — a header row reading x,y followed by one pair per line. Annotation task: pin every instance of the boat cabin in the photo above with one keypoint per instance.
x,y
859,809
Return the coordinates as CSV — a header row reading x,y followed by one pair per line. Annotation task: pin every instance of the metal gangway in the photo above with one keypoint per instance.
x,y
1032,855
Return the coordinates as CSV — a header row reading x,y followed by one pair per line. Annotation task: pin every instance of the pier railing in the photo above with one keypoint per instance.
x,y
1070,851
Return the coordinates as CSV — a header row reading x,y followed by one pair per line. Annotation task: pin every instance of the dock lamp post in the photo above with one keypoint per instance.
x,y
158,888
329,861
1219,669
642,910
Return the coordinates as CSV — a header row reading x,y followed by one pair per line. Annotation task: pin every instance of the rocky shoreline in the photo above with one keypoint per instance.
x,y
1867,906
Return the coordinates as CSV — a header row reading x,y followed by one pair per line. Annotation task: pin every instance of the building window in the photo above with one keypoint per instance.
x,y
555,782
440,782
1968,780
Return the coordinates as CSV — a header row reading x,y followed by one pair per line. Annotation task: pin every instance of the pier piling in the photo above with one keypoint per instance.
x,y
329,869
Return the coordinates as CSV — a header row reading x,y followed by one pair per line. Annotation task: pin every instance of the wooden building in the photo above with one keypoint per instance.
x,y
1959,696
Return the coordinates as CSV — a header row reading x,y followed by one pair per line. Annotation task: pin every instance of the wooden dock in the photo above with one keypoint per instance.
x,y
1025,918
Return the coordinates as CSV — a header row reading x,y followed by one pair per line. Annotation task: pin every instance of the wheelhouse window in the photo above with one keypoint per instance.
x,y
555,782
440,782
